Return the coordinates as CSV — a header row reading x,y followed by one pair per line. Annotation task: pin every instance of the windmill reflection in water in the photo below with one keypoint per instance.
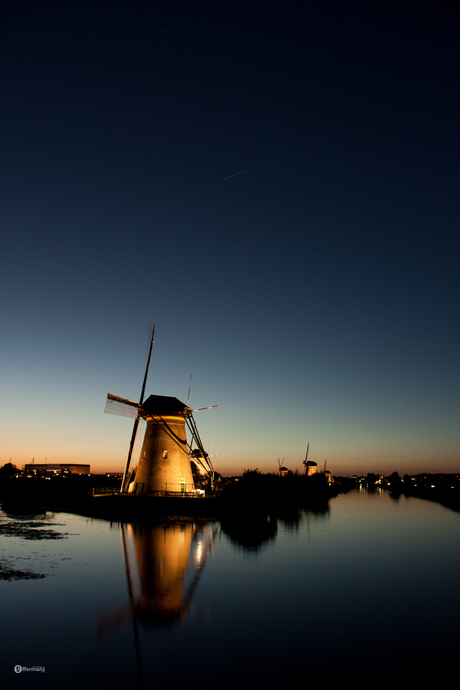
x,y
163,564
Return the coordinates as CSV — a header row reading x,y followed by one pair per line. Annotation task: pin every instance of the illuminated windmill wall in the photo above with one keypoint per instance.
x,y
164,463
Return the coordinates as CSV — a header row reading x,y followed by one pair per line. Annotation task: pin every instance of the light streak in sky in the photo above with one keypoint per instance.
x,y
241,172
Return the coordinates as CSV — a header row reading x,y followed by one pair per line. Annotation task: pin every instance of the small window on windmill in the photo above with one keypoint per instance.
x,y
182,485
165,454
143,454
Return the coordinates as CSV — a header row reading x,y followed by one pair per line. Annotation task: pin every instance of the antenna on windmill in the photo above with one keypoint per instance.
x,y
189,386
210,407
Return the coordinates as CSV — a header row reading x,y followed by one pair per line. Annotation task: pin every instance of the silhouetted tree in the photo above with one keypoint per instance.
x,y
8,470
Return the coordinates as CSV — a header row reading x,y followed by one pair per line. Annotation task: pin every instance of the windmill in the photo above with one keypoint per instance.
x,y
309,466
282,470
306,457
164,465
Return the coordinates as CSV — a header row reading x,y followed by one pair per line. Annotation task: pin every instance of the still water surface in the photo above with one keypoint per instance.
x,y
368,590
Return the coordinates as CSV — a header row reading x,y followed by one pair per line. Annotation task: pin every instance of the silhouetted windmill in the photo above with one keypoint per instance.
x,y
309,466
306,458
282,470
164,465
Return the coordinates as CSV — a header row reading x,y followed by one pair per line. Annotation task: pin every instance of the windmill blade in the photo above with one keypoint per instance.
x,y
139,407
121,406
205,408
130,455
201,460
138,439
149,354
196,437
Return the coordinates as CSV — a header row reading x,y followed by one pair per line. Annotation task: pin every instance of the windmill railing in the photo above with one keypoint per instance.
x,y
105,490
172,490
194,493
178,488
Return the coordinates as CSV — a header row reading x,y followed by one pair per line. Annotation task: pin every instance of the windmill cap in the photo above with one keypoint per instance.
x,y
165,406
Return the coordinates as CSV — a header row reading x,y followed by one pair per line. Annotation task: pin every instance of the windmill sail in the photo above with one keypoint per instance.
x,y
306,457
128,408
138,439
121,406
139,408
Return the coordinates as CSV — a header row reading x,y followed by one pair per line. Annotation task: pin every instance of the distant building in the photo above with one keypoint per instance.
x,y
354,477
35,468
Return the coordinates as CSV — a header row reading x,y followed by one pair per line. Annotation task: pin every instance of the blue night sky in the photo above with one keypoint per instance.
x,y
275,186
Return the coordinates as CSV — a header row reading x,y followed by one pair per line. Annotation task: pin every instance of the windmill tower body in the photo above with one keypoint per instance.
x,y
311,468
164,463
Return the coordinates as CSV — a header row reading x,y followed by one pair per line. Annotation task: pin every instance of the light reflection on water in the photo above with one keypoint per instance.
x,y
365,589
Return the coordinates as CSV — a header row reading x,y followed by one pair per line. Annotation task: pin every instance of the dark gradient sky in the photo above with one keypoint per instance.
x,y
314,297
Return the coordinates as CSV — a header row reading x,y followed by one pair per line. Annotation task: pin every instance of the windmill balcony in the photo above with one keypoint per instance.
x,y
179,488
172,490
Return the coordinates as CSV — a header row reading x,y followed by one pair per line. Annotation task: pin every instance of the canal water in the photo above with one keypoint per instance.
x,y
367,590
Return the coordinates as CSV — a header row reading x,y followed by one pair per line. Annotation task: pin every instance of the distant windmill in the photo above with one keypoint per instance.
x,y
306,457
282,470
309,466
164,464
